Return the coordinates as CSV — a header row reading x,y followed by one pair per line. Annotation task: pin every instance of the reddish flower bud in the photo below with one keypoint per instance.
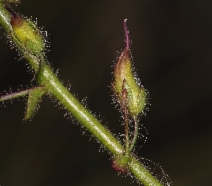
x,y
27,34
125,79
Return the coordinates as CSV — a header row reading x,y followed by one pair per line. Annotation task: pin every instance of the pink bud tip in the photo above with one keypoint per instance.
x,y
126,35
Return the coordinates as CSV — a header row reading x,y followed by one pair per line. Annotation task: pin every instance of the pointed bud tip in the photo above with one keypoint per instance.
x,y
126,35
16,21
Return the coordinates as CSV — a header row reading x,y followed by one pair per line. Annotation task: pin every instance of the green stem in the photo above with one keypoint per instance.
x,y
142,174
49,80
5,18
126,127
135,134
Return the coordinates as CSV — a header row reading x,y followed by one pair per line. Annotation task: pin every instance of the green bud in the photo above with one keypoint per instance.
x,y
125,79
27,35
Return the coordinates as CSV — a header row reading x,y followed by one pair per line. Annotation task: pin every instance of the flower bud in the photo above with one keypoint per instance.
x,y
27,35
125,79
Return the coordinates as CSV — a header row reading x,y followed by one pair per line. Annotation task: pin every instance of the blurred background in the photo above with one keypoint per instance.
x,y
172,53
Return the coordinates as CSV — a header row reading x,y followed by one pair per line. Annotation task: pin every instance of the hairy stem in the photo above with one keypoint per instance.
x,y
135,133
18,94
49,80
126,128
14,95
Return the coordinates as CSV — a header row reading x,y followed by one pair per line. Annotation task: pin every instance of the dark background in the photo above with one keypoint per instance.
x,y
172,52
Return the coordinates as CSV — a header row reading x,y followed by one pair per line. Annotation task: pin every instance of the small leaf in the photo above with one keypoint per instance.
x,y
34,99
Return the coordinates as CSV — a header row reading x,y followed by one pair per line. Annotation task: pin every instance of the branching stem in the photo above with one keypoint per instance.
x,y
49,80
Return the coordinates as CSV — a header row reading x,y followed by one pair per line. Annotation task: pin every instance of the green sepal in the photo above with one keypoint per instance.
x,y
141,99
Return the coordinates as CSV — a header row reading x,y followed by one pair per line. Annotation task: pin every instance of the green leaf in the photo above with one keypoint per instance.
x,y
34,99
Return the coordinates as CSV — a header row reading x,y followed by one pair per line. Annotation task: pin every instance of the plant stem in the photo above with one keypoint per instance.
x,y
18,94
126,126
141,173
135,133
14,95
49,80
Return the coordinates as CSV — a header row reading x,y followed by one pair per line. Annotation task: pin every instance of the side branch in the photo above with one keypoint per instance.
x,y
52,84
